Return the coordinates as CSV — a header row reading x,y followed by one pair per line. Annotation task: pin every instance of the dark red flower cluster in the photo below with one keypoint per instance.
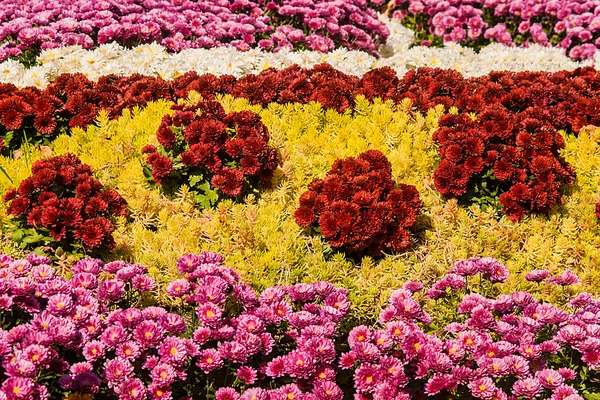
x,y
83,98
358,208
598,209
231,151
30,109
517,154
63,198
571,98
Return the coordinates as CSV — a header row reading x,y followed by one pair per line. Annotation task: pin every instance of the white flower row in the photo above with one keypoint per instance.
x,y
152,59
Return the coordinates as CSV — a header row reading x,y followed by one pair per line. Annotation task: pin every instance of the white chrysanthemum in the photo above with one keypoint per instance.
x,y
110,50
192,59
165,71
401,37
304,58
152,49
50,56
92,59
34,76
11,70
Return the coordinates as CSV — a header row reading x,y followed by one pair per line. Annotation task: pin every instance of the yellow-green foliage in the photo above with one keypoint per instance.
x,y
260,238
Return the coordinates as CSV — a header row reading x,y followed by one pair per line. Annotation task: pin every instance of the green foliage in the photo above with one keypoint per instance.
x,y
259,237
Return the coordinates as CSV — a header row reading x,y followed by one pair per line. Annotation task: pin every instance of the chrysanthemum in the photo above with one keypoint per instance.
x,y
209,314
247,375
201,335
483,388
85,280
527,387
537,275
188,263
359,334
327,390
414,344
562,392
517,365
130,317
117,370
366,352
568,374
299,364
113,335
496,367
148,334
36,354
128,350
60,304
143,283
18,387
250,323
178,288
302,292
437,383
234,351
226,393
154,313
276,367
322,349
173,324
366,378
132,389
290,391
86,382
549,378
20,367
159,392
173,351
163,375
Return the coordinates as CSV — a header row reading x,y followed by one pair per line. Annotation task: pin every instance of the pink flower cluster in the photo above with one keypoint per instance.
x,y
284,337
91,335
52,326
574,25
85,331
31,25
509,347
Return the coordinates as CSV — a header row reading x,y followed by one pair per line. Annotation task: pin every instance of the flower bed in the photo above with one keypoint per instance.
x,y
326,189
153,59
63,206
91,335
218,155
357,206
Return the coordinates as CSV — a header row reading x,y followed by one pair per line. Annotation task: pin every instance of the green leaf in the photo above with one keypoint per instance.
x,y
17,235
202,201
592,396
33,239
195,179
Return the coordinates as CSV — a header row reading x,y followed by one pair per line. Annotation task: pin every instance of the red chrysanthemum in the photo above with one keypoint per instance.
x,y
228,151
358,208
161,168
82,210
45,124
